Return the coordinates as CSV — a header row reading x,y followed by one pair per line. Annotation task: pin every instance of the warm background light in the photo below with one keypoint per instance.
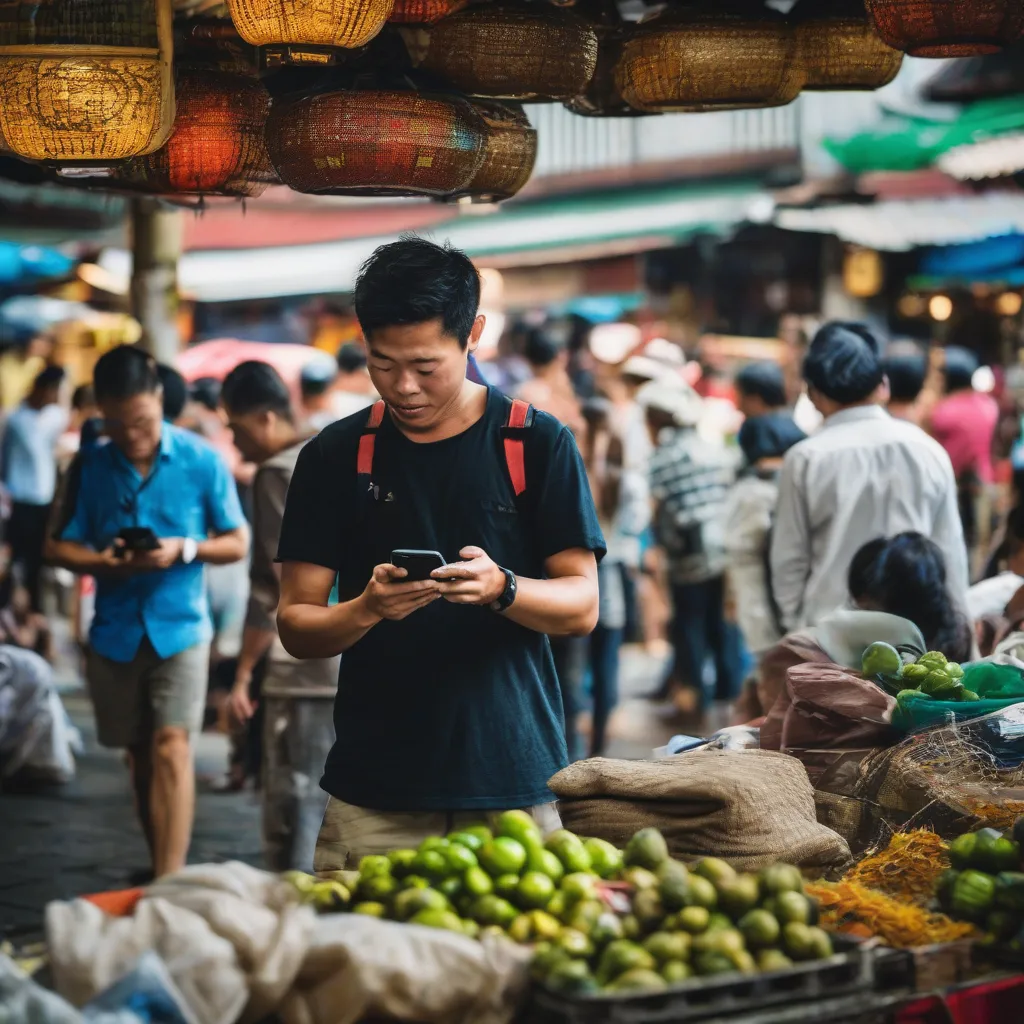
x,y
1009,303
940,307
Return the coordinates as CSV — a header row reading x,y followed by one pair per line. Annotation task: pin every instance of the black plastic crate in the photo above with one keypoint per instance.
x,y
850,970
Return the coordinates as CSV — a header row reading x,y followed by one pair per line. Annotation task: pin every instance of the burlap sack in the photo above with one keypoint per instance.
x,y
750,807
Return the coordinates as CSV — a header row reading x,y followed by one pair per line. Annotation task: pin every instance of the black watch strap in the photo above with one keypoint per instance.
x,y
508,595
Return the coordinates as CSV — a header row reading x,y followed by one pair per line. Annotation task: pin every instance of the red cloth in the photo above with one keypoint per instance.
x,y
964,424
994,1002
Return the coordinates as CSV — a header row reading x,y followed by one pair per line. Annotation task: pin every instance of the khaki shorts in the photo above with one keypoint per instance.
x,y
349,833
133,699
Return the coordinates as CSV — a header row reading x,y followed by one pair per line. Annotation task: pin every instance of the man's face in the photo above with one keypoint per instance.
x,y
419,371
253,434
134,424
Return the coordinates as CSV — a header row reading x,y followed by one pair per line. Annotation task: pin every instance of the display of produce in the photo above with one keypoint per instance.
x,y
931,675
599,918
907,868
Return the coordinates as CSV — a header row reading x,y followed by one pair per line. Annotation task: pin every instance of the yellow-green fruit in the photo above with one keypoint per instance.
x,y
722,940
377,888
506,886
674,884
330,896
477,882
694,920
414,882
621,956
743,962
579,886
460,858
665,946
572,977
798,941
607,928
518,825
713,963
778,878
675,972
638,981
640,878
431,864
299,880
534,891
717,922
821,944
467,839
647,849
569,849
349,879
715,870
443,919
760,929
791,907
544,861
470,928
410,902
401,862
545,956
605,859
492,931
631,929
575,943
738,896
482,832
648,909
585,914
373,864
557,905
544,925
493,910
434,843
453,888
502,856
370,909
702,893
521,929
773,960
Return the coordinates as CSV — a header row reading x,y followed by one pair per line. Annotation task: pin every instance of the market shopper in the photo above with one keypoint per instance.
x,y
861,476
28,468
906,375
448,706
316,383
297,729
760,390
149,641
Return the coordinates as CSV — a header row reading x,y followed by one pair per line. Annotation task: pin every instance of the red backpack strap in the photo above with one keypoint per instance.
x,y
368,439
520,416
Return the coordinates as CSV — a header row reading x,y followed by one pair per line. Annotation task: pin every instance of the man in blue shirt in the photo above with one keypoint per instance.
x,y
150,637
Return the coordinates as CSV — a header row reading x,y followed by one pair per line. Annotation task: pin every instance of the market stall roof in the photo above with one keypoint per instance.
x,y
901,225
990,158
219,357
538,232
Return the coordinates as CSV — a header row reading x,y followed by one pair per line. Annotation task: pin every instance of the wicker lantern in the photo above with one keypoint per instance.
x,y
424,12
838,48
602,98
85,80
515,52
217,146
510,152
376,142
339,23
948,28
707,58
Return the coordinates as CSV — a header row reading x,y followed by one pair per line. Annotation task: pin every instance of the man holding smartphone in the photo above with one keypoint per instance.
x,y
142,514
448,705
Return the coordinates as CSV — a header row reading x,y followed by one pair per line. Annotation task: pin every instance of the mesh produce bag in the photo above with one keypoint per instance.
x,y
999,686
750,807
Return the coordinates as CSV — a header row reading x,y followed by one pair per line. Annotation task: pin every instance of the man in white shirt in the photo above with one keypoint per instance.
x,y
862,475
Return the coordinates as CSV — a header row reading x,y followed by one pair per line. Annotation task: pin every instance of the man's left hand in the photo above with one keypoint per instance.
x,y
475,580
163,557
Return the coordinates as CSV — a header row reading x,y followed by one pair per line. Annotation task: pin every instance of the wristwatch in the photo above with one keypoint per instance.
x,y
508,595
189,550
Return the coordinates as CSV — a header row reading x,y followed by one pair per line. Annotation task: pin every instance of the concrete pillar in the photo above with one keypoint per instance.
x,y
156,247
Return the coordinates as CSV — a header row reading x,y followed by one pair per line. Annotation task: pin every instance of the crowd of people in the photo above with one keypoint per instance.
x,y
605,488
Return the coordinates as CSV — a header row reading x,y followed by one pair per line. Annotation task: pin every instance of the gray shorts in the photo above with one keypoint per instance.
x,y
133,699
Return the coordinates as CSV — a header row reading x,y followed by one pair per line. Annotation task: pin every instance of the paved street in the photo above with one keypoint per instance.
x,y
83,838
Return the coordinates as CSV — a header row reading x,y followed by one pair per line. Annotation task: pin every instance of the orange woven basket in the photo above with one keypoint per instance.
x,y
341,23
510,152
838,48
947,28
85,80
376,142
515,52
704,57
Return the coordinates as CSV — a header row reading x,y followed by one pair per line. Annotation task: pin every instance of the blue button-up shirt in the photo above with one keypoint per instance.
x,y
189,492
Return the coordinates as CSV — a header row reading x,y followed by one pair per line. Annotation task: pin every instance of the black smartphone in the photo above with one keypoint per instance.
x,y
138,538
418,564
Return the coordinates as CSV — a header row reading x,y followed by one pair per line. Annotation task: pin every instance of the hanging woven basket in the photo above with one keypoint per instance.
x,y
838,48
217,145
602,98
515,52
424,12
85,80
948,28
510,152
706,58
376,142
338,23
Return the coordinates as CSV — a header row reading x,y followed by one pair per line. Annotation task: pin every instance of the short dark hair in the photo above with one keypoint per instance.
x,y
906,375
764,381
206,391
175,391
961,364
49,377
844,362
254,386
82,397
541,349
413,281
124,372
351,357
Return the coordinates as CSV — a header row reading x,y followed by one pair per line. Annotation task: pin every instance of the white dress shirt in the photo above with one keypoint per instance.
x,y
863,475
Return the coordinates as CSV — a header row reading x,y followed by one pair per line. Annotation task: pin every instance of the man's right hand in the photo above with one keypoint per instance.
x,y
239,703
387,596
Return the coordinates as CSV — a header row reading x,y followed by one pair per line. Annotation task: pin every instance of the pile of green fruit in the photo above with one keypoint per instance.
x,y
931,675
985,884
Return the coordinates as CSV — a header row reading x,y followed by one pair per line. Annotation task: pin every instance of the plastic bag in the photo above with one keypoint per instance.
x,y
999,686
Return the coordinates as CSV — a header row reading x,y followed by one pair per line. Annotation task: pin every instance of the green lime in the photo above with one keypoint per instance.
x,y
374,864
569,849
452,888
431,863
539,859
377,888
506,886
675,972
637,981
773,960
469,840
607,928
640,878
572,977
370,909
881,659
558,905
585,914
493,910
502,856
477,882
443,919
665,946
798,941
520,826
401,862
759,929
702,893
482,832
412,901
605,859
535,890
460,858
647,849
621,956
415,882
914,674
575,943
694,920
470,928
544,925
579,886
778,878
739,895
521,929
792,907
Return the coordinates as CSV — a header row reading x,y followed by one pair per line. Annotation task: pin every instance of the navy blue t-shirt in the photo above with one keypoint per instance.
x,y
455,707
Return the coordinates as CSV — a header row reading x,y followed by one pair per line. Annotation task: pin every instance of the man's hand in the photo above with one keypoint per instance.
x,y
388,597
239,704
475,580
162,557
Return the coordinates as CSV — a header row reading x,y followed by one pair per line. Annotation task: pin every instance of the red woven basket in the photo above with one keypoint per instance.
x,y
948,28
